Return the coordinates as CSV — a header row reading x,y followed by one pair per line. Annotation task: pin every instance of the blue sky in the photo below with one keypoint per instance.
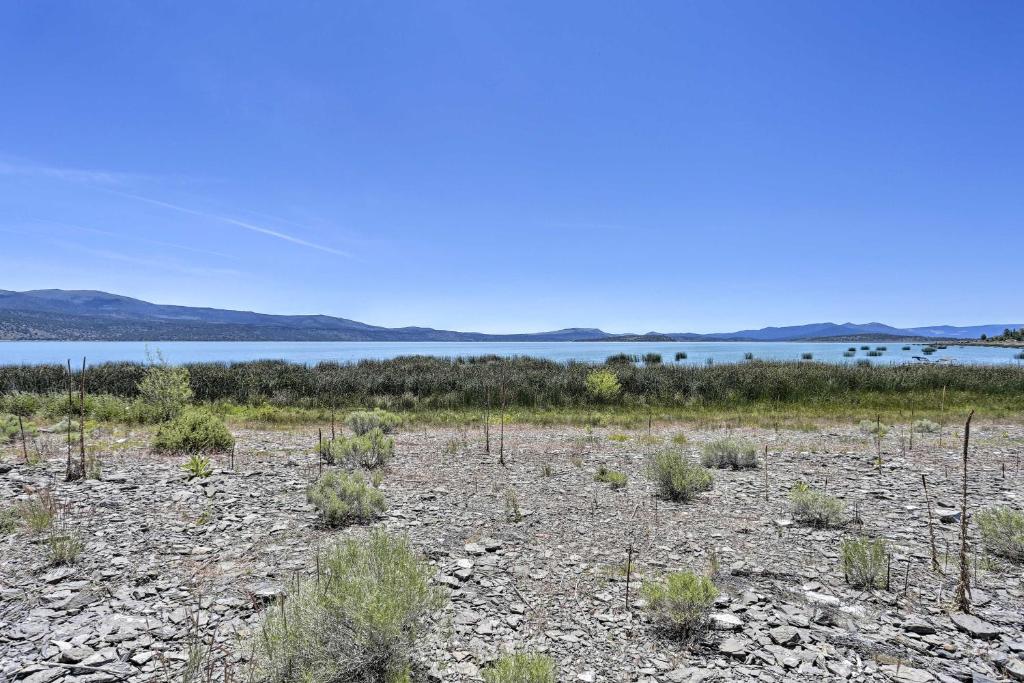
x,y
518,166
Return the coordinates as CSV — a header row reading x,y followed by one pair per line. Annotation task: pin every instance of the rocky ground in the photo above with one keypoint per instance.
x,y
169,562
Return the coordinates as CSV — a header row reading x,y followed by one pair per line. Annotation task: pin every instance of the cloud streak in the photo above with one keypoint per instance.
x,y
252,227
75,175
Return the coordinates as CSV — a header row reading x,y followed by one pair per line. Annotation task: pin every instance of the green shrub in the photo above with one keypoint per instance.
x,y
357,621
65,547
677,478
1002,532
165,389
8,521
364,421
603,385
9,430
197,466
926,427
680,355
806,356
370,450
22,403
652,359
617,480
194,431
731,453
815,507
521,668
864,562
873,428
681,603
621,359
344,498
619,438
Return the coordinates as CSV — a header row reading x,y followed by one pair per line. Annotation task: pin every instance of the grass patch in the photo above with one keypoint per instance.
x,y
521,668
371,450
365,421
616,480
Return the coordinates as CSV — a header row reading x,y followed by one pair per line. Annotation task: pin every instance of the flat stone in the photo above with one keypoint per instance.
x,y
918,625
907,674
785,635
733,647
723,621
975,627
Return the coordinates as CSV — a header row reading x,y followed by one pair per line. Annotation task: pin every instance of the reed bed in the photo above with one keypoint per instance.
x,y
424,382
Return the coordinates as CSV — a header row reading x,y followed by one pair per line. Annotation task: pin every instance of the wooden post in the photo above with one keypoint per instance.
x,y
24,444
931,529
766,473
629,570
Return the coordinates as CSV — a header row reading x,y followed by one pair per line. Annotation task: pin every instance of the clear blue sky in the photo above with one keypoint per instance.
x,y
511,166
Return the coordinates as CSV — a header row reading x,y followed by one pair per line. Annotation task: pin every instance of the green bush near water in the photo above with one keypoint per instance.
x,y
357,621
195,431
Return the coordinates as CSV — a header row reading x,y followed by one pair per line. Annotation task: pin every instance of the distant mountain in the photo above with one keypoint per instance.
x,y
50,314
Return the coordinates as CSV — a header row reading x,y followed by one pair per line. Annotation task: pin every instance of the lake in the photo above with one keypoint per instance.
x,y
35,352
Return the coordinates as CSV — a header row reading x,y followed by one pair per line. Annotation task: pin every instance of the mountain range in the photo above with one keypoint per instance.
x,y
86,315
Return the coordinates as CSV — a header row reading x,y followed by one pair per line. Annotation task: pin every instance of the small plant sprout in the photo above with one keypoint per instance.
x,y
617,480
521,668
197,467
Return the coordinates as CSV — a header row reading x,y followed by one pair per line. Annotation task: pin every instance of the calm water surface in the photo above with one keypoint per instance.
x,y
17,352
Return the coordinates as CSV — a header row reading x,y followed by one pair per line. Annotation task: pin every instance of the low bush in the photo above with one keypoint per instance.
x,y
616,480
730,453
372,449
652,359
9,429
8,521
164,390
677,478
681,603
680,355
39,511
343,498
364,421
65,547
22,403
864,562
815,507
194,431
1002,532
873,428
357,621
521,668
926,427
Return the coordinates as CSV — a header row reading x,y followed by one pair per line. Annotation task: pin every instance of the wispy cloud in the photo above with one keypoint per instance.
x,y
77,175
147,263
263,230
134,238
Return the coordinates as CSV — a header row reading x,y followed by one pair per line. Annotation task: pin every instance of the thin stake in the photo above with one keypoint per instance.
x,y
766,473
24,444
963,589
931,529
629,570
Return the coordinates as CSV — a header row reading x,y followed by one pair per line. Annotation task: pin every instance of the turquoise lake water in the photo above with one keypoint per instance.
x,y
34,352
